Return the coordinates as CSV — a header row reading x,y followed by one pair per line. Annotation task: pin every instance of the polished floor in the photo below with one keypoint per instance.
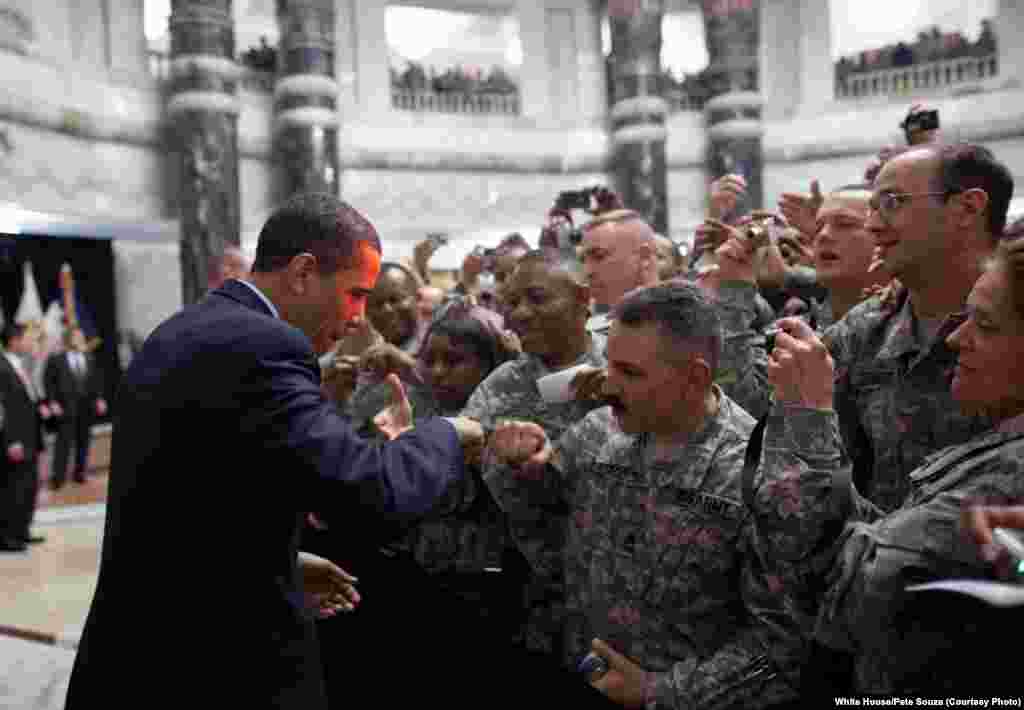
x,y
47,589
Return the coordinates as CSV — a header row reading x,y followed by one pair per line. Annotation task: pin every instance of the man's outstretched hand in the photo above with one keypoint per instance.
x,y
327,587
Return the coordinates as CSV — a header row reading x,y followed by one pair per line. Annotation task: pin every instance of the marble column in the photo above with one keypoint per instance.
x,y
638,110
203,110
780,68
127,33
734,112
306,98
817,68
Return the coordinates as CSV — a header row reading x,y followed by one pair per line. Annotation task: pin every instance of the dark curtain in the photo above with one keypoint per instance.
x,y
92,262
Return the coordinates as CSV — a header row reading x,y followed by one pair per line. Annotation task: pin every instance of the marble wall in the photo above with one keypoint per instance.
x,y
86,135
148,278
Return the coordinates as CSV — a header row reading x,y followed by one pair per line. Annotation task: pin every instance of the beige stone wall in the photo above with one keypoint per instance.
x,y
85,133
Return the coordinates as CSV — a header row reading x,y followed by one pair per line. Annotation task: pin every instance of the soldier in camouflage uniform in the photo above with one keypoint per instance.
x,y
659,564
893,365
461,347
902,642
619,253
546,305
842,256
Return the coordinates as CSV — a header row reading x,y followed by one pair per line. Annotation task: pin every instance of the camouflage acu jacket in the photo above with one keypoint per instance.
x,y
658,560
468,531
865,608
893,396
891,392
510,392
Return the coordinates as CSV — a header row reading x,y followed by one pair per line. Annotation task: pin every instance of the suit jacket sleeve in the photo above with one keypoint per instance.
x,y
345,476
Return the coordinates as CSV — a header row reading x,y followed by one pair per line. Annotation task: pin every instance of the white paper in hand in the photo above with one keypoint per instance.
x,y
995,593
556,386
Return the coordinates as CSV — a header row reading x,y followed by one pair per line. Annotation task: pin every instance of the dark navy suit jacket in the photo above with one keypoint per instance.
x,y
222,442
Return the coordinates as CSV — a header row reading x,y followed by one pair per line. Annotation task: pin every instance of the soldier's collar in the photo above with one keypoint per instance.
x,y
599,323
903,333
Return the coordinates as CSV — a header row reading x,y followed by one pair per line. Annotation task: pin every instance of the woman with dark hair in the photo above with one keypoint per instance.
x,y
454,580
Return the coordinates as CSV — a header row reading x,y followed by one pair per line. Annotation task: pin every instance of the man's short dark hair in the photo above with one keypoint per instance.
x,y
965,166
681,311
11,331
318,224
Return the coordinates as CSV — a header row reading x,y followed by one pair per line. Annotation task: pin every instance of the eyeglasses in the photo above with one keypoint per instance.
x,y
886,204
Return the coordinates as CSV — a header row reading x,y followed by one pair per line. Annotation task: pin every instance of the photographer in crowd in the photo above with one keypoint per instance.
x,y
843,254
844,563
936,214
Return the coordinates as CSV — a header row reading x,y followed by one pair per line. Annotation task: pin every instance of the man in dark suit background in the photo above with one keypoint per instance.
x,y
22,439
74,389
222,444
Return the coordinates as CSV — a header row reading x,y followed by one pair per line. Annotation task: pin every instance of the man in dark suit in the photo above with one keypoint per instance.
x,y
222,444
74,393
22,440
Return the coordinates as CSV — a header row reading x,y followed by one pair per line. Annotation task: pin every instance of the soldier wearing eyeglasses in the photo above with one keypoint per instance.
x,y
936,214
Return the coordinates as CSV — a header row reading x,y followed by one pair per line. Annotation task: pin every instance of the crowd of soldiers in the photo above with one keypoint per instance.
x,y
764,444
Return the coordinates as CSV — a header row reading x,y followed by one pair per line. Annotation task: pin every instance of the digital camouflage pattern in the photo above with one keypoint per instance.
x,y
893,395
742,372
892,386
467,532
659,560
846,583
510,392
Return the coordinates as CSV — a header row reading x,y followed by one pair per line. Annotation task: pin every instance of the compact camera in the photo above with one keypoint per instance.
x,y
920,121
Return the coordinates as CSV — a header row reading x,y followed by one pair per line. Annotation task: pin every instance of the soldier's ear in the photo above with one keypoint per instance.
x,y
699,375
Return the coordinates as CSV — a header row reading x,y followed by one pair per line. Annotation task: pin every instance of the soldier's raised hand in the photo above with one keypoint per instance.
x,y
800,367
801,210
725,193
384,358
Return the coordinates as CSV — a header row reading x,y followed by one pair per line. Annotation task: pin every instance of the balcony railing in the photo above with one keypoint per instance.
x,y
682,101
455,102
942,75
251,79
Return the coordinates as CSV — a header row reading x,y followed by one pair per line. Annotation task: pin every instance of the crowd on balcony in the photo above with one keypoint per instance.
x,y
262,58
931,46
454,80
